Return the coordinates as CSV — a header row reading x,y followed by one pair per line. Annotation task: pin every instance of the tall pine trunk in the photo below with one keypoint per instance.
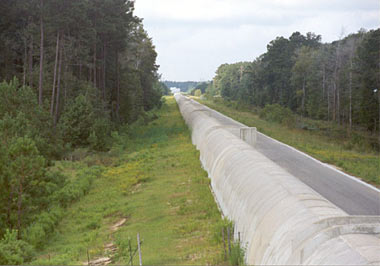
x,y
58,83
55,76
338,103
94,59
350,96
80,69
31,61
25,68
336,113
118,86
334,102
303,95
324,88
335,89
41,55
65,74
328,103
104,72
323,82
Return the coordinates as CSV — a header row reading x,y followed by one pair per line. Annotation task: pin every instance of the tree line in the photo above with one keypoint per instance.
x,y
71,72
184,86
59,47
338,81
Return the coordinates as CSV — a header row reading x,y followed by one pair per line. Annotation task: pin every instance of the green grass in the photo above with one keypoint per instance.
x,y
154,179
330,147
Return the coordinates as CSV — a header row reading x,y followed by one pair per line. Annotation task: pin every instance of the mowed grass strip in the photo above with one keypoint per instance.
x,y
331,150
157,185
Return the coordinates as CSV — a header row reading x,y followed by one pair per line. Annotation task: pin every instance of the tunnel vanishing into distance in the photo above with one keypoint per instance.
x,y
280,219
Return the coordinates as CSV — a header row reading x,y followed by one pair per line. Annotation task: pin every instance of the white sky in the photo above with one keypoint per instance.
x,y
194,37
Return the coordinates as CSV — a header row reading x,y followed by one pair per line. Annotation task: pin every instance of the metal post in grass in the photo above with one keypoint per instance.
x,y
88,258
224,245
139,247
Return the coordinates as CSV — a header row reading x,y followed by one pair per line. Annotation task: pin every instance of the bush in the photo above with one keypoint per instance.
x,y
73,190
279,114
81,125
197,93
99,138
45,222
14,251
17,119
76,121
37,233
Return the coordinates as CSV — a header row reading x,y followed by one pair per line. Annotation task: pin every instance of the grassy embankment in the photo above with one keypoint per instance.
x,y
153,179
329,145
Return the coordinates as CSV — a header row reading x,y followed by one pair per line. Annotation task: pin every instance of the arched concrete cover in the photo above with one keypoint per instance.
x,y
280,219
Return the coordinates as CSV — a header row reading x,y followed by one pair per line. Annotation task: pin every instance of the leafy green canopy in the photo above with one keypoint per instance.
x,y
336,81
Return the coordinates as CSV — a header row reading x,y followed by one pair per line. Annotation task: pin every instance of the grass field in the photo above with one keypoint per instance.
x,y
330,148
152,179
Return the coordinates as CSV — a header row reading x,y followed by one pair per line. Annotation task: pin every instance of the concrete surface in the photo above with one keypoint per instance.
x,y
355,198
281,220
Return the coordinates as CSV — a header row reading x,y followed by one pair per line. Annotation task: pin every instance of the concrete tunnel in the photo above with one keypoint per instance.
x,y
281,220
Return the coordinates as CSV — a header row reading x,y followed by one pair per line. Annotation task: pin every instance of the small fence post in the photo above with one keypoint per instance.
x,y
139,247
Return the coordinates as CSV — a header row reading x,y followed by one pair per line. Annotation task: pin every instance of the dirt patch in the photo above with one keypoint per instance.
x,y
109,249
101,261
117,225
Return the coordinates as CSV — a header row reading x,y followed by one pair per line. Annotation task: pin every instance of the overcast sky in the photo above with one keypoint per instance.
x,y
194,37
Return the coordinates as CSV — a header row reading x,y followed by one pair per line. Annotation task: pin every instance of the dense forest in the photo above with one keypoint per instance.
x,y
72,72
338,81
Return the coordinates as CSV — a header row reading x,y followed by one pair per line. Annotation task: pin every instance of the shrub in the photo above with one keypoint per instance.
x,y
14,251
81,125
16,119
76,121
279,114
73,190
45,222
197,93
99,138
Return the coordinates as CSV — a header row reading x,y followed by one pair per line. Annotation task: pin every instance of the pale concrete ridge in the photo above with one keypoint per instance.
x,y
281,220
